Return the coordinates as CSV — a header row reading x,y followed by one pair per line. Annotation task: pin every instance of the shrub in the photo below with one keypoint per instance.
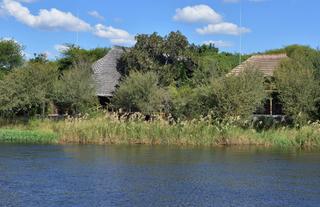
x,y
298,89
139,92
233,96
74,92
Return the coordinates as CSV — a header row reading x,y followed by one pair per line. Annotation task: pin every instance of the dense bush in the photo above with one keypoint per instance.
x,y
33,89
27,90
140,92
299,89
74,92
233,96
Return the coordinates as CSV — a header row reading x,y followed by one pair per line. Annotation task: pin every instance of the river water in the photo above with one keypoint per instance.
x,y
37,175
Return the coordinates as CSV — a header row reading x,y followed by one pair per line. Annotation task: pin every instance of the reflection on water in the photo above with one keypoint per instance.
x,y
157,176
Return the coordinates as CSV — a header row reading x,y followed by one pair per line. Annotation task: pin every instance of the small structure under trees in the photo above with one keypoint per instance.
x,y
267,64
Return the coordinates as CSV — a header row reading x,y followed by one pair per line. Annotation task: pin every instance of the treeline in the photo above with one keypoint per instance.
x,y
159,75
40,86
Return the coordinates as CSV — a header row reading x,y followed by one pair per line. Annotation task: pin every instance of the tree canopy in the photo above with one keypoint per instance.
x,y
297,80
170,57
74,54
11,54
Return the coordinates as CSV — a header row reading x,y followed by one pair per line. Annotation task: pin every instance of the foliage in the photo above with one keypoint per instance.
x,y
232,96
27,136
74,54
140,92
170,57
74,92
214,65
223,97
10,54
298,89
39,58
307,57
27,90
183,102
111,128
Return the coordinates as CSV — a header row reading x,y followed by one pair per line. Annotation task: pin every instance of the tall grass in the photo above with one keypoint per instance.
x,y
110,129
27,136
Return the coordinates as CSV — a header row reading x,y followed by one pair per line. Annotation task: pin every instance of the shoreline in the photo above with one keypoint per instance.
x,y
109,131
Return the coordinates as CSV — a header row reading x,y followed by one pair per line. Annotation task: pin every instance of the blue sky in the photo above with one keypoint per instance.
x,y
45,25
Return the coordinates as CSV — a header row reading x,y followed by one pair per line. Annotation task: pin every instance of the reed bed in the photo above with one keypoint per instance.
x,y
112,129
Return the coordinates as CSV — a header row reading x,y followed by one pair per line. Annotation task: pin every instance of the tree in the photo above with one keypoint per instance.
x,y
170,57
27,90
10,54
39,58
298,87
74,54
140,92
74,92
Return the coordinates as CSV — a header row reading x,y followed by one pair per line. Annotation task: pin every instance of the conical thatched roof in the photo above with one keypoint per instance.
x,y
105,72
265,63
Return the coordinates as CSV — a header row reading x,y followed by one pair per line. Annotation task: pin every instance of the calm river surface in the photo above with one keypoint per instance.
x,y
32,175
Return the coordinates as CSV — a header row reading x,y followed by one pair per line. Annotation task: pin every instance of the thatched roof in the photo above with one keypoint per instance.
x,y
105,72
265,63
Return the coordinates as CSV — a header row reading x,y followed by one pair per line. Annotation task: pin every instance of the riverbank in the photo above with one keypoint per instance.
x,y
111,130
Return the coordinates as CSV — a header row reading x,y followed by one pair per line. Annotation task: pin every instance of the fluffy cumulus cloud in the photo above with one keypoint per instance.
x,y
206,14
223,28
52,19
116,36
219,43
197,13
55,19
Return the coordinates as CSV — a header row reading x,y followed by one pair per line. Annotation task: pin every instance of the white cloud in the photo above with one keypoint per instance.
x,y
52,19
219,43
116,36
61,48
96,14
223,28
198,13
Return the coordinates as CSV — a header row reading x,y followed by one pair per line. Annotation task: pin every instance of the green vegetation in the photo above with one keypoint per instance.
x,y
140,92
74,54
187,85
10,55
298,82
110,129
27,137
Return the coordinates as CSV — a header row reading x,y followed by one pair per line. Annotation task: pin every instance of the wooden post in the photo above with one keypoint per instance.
x,y
271,111
43,109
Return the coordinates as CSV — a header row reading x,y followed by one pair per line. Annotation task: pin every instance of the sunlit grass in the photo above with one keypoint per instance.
x,y
110,129
27,136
